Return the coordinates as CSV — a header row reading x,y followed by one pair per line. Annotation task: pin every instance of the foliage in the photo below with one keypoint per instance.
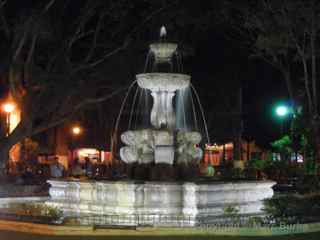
x,y
55,56
310,163
293,208
283,144
255,221
229,172
256,167
230,210
308,184
284,147
257,164
36,209
284,34
237,173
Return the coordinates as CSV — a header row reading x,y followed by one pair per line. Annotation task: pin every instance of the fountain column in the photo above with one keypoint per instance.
x,y
162,113
156,145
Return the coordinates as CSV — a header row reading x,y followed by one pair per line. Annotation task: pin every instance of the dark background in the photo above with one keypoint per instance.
x,y
219,66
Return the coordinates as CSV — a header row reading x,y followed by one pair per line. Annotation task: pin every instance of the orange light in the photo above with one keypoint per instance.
x,y
76,130
8,107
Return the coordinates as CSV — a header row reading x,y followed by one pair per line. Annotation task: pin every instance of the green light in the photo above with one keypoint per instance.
x,y
282,111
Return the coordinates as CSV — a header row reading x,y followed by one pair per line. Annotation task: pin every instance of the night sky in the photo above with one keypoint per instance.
x,y
218,66
216,59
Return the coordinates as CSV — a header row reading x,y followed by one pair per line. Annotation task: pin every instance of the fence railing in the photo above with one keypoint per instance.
x,y
135,220
169,220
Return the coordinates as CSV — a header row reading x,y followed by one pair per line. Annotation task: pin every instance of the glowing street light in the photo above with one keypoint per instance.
x,y
282,111
76,130
8,107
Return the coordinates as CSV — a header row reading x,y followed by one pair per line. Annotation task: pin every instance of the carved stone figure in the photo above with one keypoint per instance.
x,y
140,147
187,150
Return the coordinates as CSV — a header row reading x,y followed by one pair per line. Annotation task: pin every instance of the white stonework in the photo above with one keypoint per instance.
x,y
168,82
163,51
164,154
163,87
187,150
193,200
157,146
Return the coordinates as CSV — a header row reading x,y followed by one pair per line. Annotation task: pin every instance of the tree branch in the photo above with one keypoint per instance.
x,y
126,41
3,19
95,38
48,6
62,118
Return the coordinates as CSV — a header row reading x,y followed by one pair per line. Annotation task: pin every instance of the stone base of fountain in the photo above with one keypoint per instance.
x,y
158,199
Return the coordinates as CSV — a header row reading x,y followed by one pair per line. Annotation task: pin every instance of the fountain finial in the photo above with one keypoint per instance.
x,y
163,50
163,32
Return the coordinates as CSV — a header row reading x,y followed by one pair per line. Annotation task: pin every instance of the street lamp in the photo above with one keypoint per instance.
x,y
8,108
282,111
76,130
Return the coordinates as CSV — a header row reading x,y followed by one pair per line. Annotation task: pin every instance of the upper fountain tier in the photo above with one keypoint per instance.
x,y
158,82
163,51
163,85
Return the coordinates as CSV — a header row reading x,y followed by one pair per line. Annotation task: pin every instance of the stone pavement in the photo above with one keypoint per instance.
x,y
6,235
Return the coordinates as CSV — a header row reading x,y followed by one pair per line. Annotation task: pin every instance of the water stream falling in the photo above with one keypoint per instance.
x,y
179,62
194,113
122,107
147,61
133,106
181,120
140,110
202,113
147,108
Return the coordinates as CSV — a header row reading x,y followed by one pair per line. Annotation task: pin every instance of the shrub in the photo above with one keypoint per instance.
x,y
293,208
230,210
309,184
255,221
35,209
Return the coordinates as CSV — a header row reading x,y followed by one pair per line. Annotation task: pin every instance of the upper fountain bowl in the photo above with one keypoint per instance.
x,y
163,51
163,81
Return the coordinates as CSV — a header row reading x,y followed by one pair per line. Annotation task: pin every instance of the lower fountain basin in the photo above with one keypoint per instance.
x,y
188,199
169,82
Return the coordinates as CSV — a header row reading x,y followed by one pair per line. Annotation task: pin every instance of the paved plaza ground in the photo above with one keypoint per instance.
x,y
4,235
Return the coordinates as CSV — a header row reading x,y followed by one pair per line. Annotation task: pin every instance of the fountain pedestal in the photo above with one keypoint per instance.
x,y
158,146
164,154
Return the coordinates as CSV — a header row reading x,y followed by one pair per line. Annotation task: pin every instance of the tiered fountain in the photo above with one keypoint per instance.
x,y
162,145
166,146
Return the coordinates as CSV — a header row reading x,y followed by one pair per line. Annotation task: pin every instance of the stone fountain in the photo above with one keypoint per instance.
x,y
166,146
162,144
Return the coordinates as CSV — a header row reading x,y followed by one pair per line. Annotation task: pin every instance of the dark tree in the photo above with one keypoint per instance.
x,y
285,35
53,51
